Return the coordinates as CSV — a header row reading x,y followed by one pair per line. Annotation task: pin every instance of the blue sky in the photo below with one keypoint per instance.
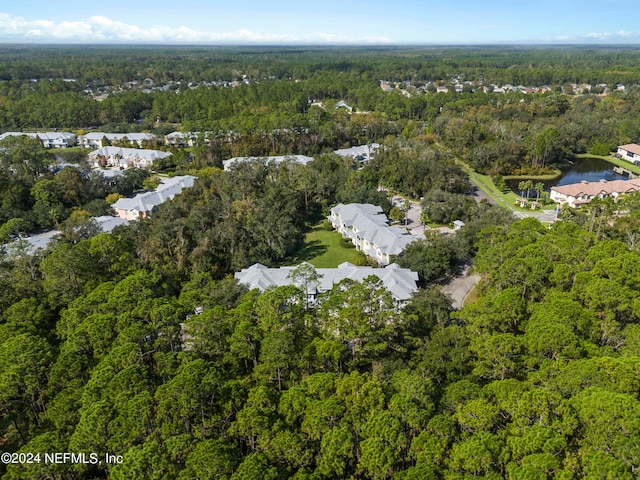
x,y
351,22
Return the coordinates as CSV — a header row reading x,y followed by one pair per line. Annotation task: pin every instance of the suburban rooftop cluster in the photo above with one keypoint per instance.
x,y
400,282
368,229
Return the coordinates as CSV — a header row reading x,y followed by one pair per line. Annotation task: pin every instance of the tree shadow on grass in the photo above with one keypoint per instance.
x,y
311,250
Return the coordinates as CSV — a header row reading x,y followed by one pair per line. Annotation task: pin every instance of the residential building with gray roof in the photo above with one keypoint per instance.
x,y
303,159
47,139
143,204
400,282
95,139
121,157
368,229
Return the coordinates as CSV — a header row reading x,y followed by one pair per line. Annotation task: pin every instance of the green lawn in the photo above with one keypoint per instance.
x,y
536,178
504,199
325,249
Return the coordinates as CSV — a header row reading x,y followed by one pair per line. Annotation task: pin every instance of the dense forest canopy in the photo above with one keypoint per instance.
x,y
529,65
141,344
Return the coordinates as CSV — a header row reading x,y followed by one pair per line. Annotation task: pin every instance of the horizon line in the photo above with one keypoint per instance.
x,y
319,45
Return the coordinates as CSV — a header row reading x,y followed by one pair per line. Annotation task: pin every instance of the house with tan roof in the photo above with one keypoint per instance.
x,y
577,194
629,152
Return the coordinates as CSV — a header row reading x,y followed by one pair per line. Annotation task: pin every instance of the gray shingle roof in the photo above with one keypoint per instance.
x,y
146,202
148,155
358,151
369,222
41,240
49,138
132,137
108,223
400,282
275,159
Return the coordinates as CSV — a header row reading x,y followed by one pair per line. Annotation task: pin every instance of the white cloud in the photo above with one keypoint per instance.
x,y
11,25
378,40
622,36
104,30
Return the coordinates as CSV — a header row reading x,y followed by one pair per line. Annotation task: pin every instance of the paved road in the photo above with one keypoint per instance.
x,y
479,194
542,215
460,286
412,216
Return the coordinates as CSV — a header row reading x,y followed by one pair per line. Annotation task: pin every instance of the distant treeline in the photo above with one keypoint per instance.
x,y
527,65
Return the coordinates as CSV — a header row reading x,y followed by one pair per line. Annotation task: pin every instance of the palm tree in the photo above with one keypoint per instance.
x,y
522,186
539,188
54,213
525,185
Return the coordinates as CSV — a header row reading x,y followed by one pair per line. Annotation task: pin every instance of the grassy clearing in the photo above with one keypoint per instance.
x,y
504,199
472,296
325,249
552,176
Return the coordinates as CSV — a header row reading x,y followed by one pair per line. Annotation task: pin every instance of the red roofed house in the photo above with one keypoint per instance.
x,y
630,152
582,193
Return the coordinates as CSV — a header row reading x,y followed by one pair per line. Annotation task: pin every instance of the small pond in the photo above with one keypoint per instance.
x,y
589,169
